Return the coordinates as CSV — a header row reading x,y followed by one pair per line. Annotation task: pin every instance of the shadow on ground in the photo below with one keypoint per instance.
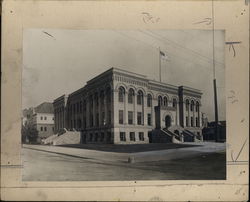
x,y
128,148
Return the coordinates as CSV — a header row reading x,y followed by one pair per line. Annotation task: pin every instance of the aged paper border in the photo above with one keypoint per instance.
x,y
21,14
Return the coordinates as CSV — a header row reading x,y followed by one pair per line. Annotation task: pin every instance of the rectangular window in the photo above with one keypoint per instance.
x,y
96,137
91,120
120,116
132,136
149,119
97,101
109,137
130,117
139,118
187,121
122,136
109,117
103,118
53,128
192,122
97,119
81,107
141,136
102,137
196,122
90,137
41,128
77,107
45,118
84,122
45,128
41,118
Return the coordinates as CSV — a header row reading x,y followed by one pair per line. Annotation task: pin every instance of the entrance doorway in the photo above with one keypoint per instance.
x,y
167,121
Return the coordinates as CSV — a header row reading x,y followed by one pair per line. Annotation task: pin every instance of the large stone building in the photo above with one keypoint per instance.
x,y
122,107
42,118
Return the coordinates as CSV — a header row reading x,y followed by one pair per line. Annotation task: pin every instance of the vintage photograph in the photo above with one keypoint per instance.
x,y
121,105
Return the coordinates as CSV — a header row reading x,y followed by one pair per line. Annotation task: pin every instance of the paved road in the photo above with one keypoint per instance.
x,y
50,166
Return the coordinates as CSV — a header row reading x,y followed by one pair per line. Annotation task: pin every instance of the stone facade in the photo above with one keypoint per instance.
x,y
122,107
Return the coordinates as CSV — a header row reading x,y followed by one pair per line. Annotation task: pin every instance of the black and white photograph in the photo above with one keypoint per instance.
x,y
122,105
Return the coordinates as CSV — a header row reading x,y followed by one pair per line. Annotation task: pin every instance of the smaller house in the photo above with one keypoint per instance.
x,y
42,117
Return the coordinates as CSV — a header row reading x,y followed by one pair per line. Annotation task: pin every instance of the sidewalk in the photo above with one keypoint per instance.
x,y
169,154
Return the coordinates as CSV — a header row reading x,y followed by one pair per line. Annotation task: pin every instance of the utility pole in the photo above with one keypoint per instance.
x,y
214,84
160,64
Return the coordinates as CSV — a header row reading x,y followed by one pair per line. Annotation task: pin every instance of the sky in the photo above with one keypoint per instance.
x,y
57,62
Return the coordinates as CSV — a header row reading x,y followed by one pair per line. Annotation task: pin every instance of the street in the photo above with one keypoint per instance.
x,y
39,165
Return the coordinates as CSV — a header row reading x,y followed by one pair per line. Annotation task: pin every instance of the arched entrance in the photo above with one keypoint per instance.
x,y
167,121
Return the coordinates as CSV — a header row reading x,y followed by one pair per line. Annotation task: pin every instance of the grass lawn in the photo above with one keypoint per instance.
x,y
129,148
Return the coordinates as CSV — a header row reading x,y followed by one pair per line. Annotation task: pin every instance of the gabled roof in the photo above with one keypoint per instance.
x,y
45,107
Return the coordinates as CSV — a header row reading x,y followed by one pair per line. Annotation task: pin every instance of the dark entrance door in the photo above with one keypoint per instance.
x,y
167,121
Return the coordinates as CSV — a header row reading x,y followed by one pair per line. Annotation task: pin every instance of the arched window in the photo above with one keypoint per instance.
x,y
96,99
197,106
174,103
149,100
165,101
84,105
131,95
102,97
121,94
91,101
159,100
140,97
192,106
187,105
108,94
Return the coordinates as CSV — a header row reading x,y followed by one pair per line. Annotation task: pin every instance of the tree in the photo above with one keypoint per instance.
x,y
29,133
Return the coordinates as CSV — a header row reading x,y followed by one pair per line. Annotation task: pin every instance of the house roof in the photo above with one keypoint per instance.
x,y
45,107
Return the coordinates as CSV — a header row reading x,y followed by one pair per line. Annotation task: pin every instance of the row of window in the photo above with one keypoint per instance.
x,y
197,123
140,120
192,105
44,128
131,95
99,137
80,106
81,123
131,136
45,118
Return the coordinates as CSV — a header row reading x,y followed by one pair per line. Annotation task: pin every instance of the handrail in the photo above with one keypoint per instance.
x,y
172,134
189,132
166,132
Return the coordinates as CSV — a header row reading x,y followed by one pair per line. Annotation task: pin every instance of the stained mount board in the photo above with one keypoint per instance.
x,y
231,16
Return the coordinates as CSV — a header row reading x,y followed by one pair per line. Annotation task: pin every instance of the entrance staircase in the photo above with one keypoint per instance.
x,y
49,140
64,137
174,134
191,136
176,138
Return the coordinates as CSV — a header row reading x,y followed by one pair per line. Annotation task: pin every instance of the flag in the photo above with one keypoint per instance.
x,y
163,56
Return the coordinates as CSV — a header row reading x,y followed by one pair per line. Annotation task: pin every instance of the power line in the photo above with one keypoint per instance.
x,y
182,47
157,47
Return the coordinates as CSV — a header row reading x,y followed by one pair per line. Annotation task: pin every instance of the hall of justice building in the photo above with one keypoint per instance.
x,y
122,107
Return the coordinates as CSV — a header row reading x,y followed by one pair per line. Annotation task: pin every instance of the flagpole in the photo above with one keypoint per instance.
x,y
160,64
214,84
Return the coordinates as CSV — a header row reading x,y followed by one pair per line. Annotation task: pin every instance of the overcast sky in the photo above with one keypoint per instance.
x,y
56,62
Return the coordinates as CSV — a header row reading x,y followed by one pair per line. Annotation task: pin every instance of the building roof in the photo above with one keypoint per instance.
x,y
114,70
45,107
